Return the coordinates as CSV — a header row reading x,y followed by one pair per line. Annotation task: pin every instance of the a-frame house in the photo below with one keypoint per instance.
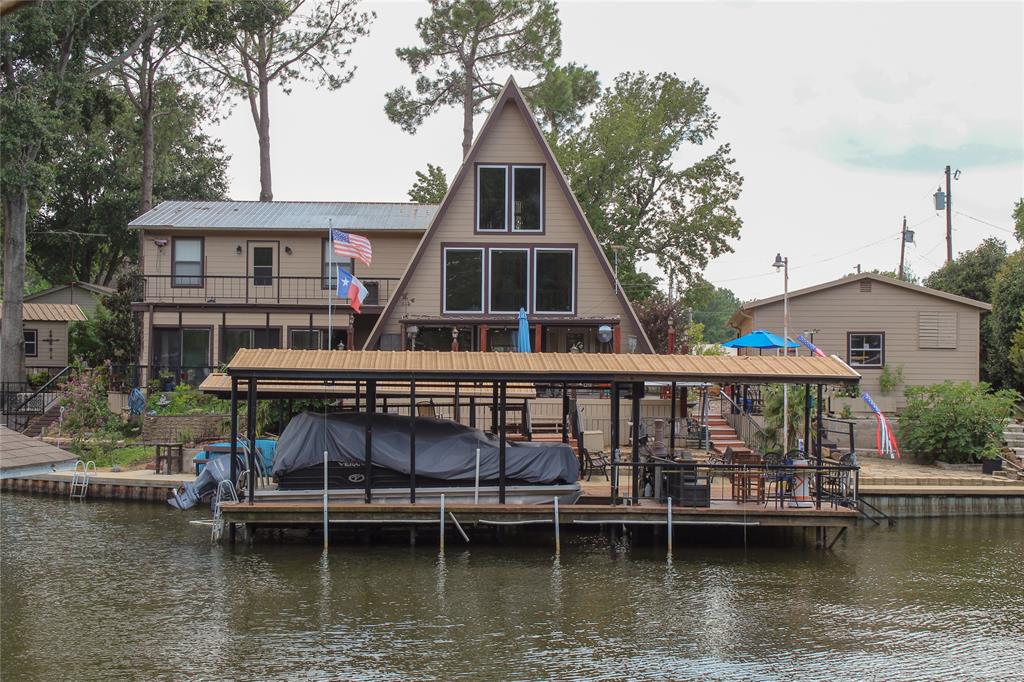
x,y
509,236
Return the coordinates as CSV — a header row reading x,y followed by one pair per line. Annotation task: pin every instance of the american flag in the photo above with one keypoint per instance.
x,y
352,246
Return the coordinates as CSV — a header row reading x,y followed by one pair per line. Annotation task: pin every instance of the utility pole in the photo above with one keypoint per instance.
x,y
949,218
903,248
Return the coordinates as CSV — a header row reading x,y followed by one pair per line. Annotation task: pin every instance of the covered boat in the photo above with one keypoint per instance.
x,y
446,461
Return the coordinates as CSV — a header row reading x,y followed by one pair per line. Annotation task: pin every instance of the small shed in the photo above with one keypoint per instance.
x,y
892,332
46,333
83,294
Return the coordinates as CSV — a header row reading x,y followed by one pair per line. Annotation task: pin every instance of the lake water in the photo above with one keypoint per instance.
x,y
102,590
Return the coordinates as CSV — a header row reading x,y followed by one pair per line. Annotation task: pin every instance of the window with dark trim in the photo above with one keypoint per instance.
x,y
182,352
463,280
262,266
510,280
527,198
251,337
491,198
187,262
31,343
328,273
865,349
304,339
554,275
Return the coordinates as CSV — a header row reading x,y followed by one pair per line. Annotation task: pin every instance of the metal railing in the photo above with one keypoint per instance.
x,y
748,430
704,483
253,289
20,402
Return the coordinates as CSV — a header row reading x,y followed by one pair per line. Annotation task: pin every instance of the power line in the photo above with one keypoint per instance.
x,y
984,222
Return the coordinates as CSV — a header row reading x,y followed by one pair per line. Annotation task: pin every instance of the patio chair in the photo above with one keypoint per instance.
x,y
591,446
426,409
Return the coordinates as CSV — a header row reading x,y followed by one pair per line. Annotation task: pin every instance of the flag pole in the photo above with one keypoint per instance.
x,y
330,292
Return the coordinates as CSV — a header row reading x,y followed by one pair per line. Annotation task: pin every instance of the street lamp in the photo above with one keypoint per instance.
x,y
783,263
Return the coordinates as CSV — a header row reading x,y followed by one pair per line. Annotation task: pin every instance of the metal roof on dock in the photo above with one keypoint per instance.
x,y
288,215
549,367
220,384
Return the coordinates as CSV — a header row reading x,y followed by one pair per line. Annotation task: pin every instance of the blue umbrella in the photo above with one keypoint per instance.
x,y
759,338
523,339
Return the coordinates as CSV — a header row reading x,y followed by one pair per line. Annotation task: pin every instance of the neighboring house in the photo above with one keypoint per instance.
x,y
46,333
83,294
222,275
510,235
876,323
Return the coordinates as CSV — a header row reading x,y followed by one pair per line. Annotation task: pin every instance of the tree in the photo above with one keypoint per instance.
x,y
279,41
170,24
657,314
463,44
1018,221
42,68
908,274
972,273
98,180
560,99
112,333
1007,304
713,306
430,186
1017,351
622,169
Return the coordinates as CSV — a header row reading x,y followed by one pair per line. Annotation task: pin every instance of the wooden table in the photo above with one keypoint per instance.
x,y
171,453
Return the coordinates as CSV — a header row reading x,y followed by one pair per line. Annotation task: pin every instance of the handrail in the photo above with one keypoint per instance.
x,y
758,432
44,389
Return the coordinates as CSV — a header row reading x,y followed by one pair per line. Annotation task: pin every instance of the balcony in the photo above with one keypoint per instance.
x,y
259,289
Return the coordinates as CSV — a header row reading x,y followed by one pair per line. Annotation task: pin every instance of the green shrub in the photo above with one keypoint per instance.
x,y
890,378
772,396
85,404
953,422
187,400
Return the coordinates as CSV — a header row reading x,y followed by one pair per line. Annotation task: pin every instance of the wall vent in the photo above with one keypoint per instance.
x,y
865,285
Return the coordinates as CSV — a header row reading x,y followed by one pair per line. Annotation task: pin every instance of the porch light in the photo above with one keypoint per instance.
x,y
288,250
238,249
779,262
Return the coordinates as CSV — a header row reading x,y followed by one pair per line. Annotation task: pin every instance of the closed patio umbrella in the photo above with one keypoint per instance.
x,y
523,338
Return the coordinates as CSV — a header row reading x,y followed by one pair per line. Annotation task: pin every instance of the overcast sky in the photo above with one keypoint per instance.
x,y
841,117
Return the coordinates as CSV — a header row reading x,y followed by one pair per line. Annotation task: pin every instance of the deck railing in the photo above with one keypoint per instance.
x,y
741,421
20,401
250,289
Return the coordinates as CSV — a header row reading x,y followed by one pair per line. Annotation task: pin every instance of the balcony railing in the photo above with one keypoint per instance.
x,y
258,289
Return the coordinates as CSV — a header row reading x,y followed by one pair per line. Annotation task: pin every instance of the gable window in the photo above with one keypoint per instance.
x,y
527,198
865,349
510,289
554,280
187,262
463,280
31,343
491,198
329,263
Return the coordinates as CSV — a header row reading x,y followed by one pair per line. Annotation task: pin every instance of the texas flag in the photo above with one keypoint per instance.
x,y
351,288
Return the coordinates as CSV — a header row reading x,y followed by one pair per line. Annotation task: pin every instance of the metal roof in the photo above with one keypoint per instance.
x,y
220,384
543,367
884,279
51,312
288,215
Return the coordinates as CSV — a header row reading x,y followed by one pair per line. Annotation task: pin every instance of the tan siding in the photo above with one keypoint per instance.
x,y
49,354
86,300
510,141
894,310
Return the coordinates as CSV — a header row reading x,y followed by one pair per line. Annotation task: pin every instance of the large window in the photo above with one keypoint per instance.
x,y
329,265
491,198
182,352
527,198
187,265
463,280
263,266
509,280
31,343
865,349
554,280
254,337
304,339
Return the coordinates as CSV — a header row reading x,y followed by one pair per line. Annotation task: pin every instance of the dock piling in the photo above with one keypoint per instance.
x,y
670,526
442,522
558,534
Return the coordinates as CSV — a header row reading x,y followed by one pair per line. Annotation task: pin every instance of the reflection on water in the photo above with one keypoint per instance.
x,y
133,591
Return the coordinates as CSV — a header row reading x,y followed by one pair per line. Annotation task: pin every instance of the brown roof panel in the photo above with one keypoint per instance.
x,y
385,365
51,312
220,384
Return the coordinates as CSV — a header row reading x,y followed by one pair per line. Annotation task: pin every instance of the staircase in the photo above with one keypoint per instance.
x,y
1013,436
723,436
41,422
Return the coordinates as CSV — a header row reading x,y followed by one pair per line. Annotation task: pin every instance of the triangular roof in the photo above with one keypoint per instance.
x,y
87,286
509,93
884,279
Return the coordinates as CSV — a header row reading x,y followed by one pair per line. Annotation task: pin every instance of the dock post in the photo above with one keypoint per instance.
x,y
494,407
233,469
457,405
502,444
412,442
371,410
565,414
326,523
472,412
250,428
817,452
558,534
616,439
672,423
638,391
476,479
442,522
670,525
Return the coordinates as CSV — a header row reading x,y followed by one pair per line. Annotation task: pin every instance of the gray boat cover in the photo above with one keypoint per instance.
x,y
444,449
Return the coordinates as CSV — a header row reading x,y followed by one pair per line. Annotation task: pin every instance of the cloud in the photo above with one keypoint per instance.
x,y
875,150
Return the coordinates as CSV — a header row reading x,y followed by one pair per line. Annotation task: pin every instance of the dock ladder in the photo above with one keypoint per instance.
x,y
80,479
225,491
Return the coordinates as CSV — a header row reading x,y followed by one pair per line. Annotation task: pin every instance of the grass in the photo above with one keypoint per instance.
x,y
106,455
